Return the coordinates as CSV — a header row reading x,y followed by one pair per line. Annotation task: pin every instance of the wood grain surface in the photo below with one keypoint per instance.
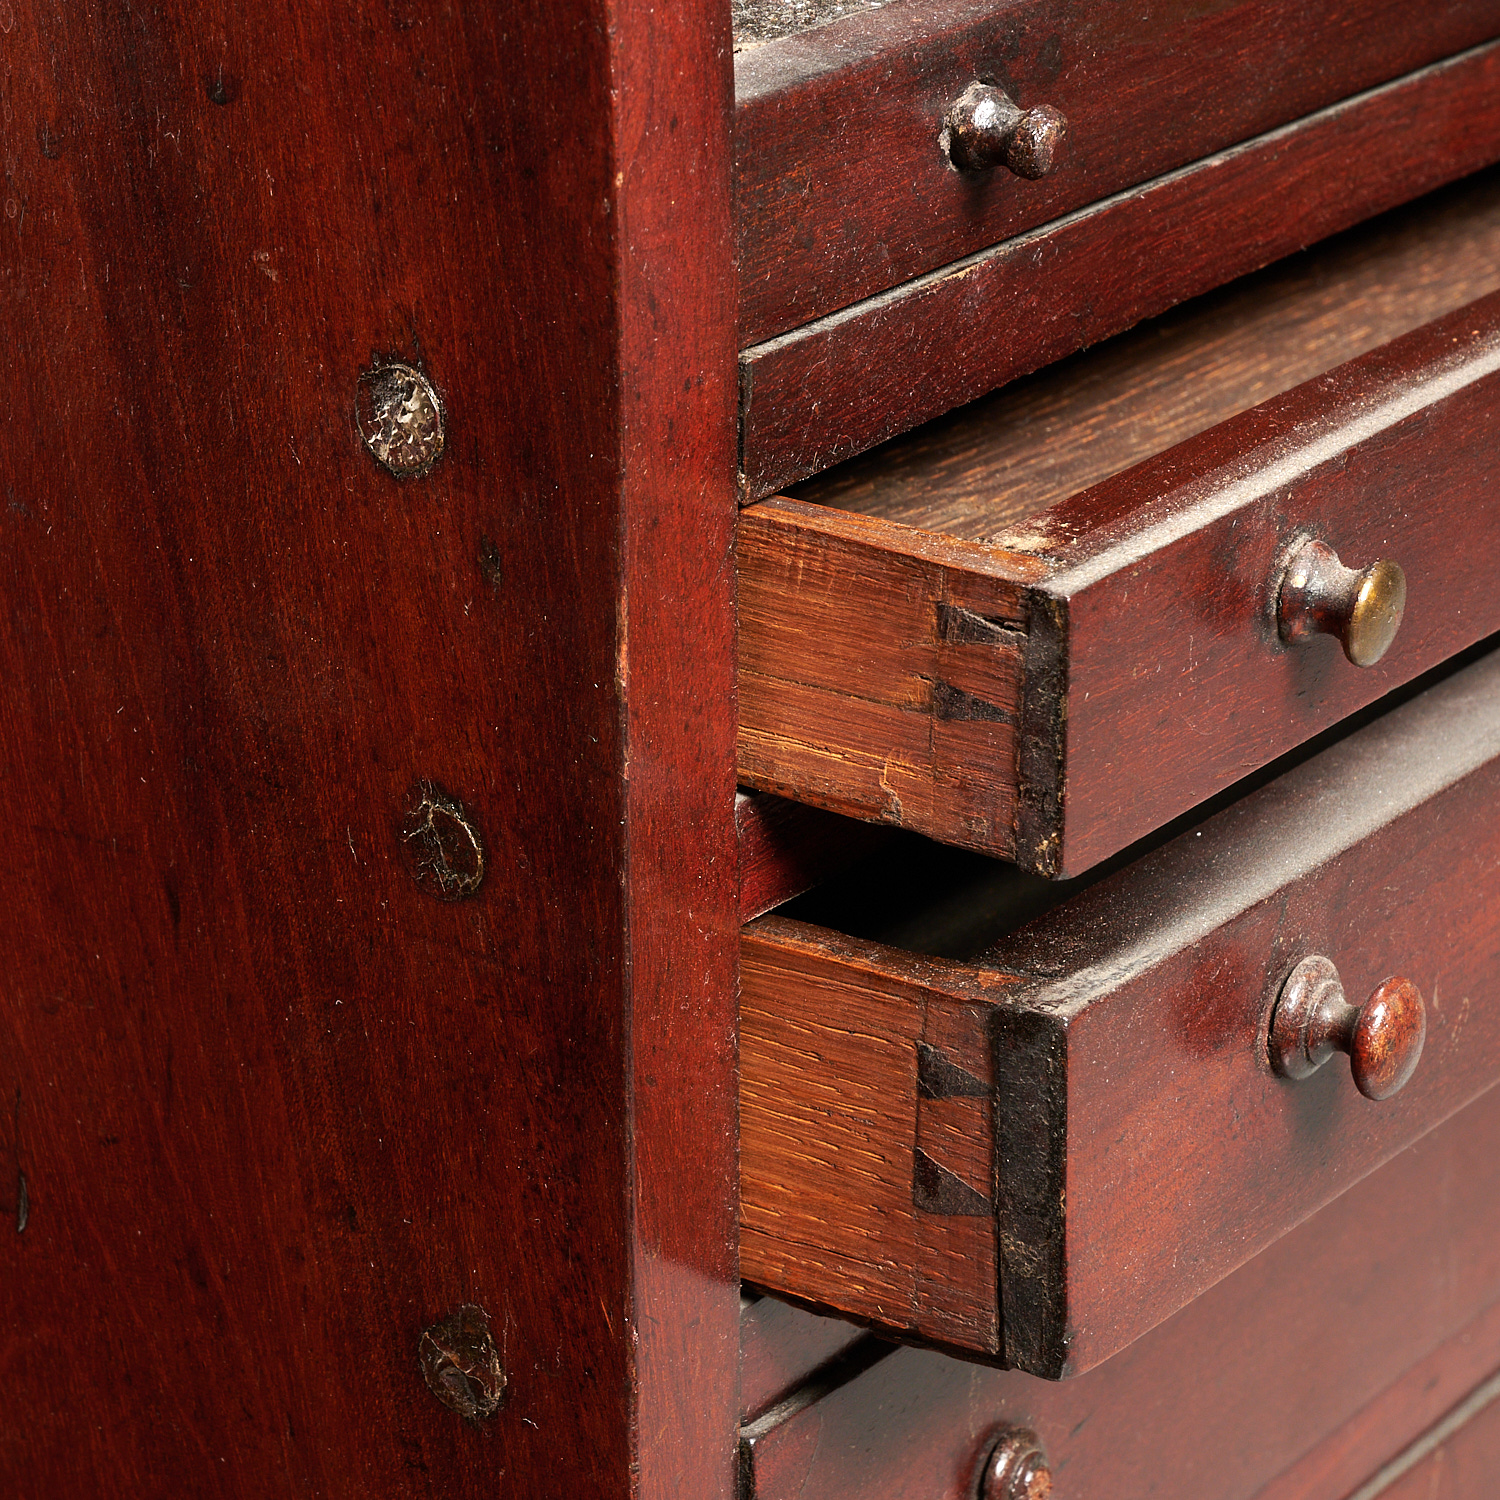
x,y
270,1109
845,383
880,670
1046,437
1086,1108
1458,1461
1326,1328
1177,684
1430,1392
842,187
1080,678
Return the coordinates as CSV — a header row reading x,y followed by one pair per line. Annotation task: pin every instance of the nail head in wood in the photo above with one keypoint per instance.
x,y
400,418
1016,1468
985,127
1313,1019
461,1364
1319,595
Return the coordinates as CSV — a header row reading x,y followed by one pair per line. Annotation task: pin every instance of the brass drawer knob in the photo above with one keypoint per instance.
x,y
1016,1468
985,127
1363,609
1312,1020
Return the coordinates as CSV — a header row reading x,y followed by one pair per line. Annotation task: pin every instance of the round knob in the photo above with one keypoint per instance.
x,y
986,126
1319,594
1016,1468
1312,1020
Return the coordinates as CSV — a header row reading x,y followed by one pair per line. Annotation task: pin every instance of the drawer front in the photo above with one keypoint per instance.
x,y
1067,687
1457,1461
1317,1362
843,188
837,386
1039,1155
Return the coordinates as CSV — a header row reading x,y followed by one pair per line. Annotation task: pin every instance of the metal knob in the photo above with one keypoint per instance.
x,y
985,126
1318,594
1016,1468
1312,1020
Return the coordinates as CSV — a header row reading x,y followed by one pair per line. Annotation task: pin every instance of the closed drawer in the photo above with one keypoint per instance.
x,y
881,287
1049,624
1293,1379
845,186
1036,1155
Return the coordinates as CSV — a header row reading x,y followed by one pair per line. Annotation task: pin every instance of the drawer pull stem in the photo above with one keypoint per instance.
x,y
985,126
1318,594
1312,1020
1016,1468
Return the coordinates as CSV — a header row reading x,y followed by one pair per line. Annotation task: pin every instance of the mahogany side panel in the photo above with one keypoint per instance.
x,y
840,385
1226,1395
1141,1148
271,1109
671,93
842,188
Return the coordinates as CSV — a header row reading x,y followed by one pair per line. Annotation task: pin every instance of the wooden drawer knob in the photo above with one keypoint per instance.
x,y
1312,1020
1016,1468
1319,594
985,126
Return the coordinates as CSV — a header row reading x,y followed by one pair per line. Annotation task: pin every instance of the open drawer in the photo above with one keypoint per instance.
x,y
1048,624
1037,1154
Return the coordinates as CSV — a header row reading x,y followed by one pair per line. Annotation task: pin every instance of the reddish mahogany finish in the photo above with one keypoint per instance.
x,y
842,187
270,1108
1320,1360
850,380
1428,1390
1078,678
1459,1460
1083,1116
